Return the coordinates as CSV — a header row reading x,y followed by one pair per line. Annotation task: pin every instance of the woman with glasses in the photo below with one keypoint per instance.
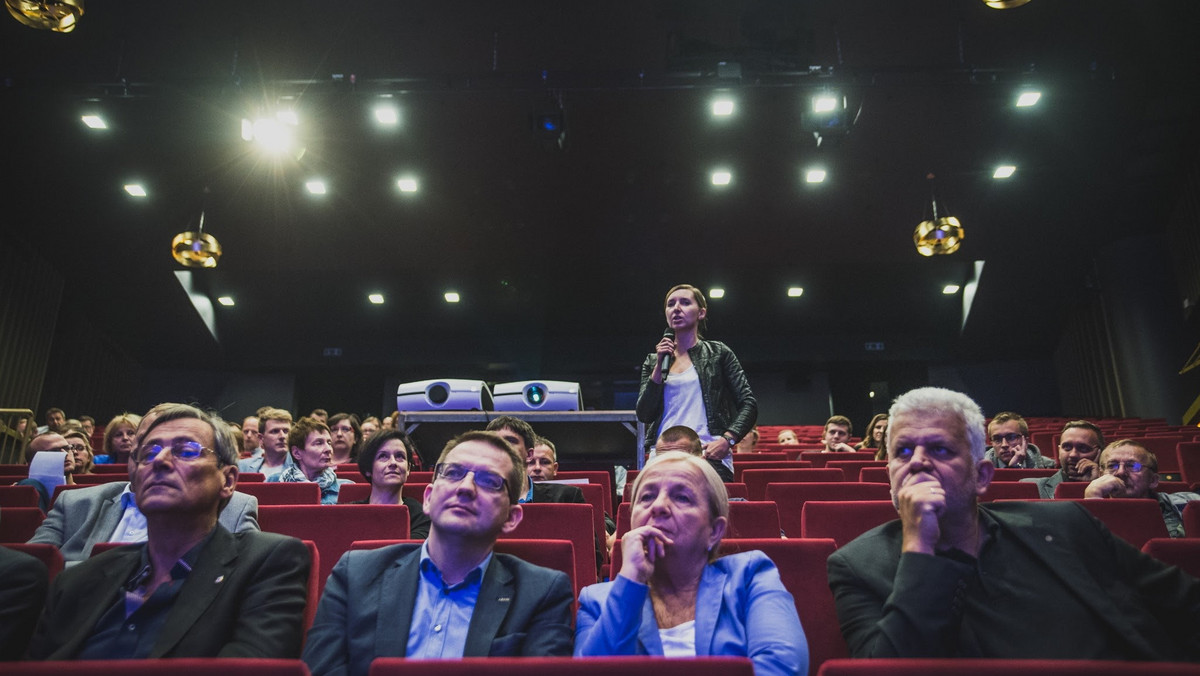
x,y
384,461
703,387
81,449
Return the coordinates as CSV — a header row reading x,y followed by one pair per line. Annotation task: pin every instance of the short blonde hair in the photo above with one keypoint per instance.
x,y
718,497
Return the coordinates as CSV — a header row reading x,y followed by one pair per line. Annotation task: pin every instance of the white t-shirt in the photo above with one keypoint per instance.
x,y
680,640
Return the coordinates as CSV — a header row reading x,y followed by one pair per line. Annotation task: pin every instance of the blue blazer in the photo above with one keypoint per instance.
x,y
742,609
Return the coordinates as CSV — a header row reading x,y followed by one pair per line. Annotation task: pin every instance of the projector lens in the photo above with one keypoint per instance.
x,y
438,394
535,395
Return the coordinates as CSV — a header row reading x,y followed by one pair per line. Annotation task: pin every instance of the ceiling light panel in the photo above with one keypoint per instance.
x,y
94,122
135,189
1004,171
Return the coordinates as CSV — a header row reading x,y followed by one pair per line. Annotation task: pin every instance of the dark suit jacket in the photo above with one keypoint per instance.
x,y
893,605
366,611
23,581
544,492
244,598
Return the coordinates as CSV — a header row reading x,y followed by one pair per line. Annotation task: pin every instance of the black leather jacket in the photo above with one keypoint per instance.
x,y
728,401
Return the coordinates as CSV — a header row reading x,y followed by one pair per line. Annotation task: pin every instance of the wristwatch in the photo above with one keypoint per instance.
x,y
730,439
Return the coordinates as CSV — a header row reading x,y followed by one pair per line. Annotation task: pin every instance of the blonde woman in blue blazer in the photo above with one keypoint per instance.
x,y
673,597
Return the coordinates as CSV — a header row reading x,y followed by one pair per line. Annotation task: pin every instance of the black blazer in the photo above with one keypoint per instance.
x,y
544,492
244,598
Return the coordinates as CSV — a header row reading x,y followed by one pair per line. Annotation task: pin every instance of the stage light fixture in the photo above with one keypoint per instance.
x,y
60,16
1004,171
537,395
950,289
387,114
795,291
315,187
94,122
721,178
407,184
938,235
716,293
722,107
452,297
814,176
1004,4
827,113
375,298
135,189
1028,98
443,394
227,301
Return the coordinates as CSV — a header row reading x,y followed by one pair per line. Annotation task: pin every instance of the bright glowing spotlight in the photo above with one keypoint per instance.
x,y
1027,99
795,291
722,107
376,298
227,301
135,189
272,135
407,184
871,394
386,113
1004,171
825,104
950,289
814,176
247,130
94,122
315,187
721,177
452,297
716,292
287,117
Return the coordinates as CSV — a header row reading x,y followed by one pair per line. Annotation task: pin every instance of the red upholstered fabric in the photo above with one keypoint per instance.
x,y
1191,518
280,493
975,667
1134,520
316,582
251,477
335,527
821,458
556,554
18,496
746,520
874,475
1182,552
47,554
561,521
594,494
853,467
732,489
790,498
1012,474
1188,455
355,476
64,487
18,524
122,469
756,480
351,493
1010,490
190,666
761,456
597,477
566,666
93,479
843,521
765,465
1074,490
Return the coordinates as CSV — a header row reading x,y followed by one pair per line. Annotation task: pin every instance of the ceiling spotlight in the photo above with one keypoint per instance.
x,y
315,187
824,103
407,184
721,177
1004,4
59,16
135,189
950,289
227,301
716,292
94,122
196,249
375,298
452,297
938,236
1027,99
1004,171
722,107
387,114
795,291
826,114
814,176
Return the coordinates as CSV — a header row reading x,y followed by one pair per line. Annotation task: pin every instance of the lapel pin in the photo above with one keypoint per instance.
x,y
219,580
503,599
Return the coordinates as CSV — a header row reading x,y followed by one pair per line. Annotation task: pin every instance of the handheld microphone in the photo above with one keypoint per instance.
x,y
667,359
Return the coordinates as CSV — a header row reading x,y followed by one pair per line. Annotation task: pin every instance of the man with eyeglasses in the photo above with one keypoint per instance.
x,y
193,589
1078,448
451,596
1009,434
108,512
1131,471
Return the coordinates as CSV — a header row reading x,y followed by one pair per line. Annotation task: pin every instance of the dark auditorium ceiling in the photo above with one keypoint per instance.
x,y
562,255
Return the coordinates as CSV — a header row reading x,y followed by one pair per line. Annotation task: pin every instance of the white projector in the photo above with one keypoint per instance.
x,y
443,394
537,395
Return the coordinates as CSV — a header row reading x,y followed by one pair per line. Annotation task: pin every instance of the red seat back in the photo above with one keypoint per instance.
x,y
732,489
93,479
18,524
1191,518
1133,520
821,458
349,493
853,467
993,667
746,520
760,456
1182,552
251,477
769,464
875,475
18,496
1074,490
845,520
597,477
47,554
561,521
187,666
1011,490
594,495
756,480
283,493
566,666
790,498
1187,453
1015,474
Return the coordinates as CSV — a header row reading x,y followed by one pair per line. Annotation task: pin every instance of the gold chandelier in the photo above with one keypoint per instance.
x,y
1004,4
939,235
196,249
59,16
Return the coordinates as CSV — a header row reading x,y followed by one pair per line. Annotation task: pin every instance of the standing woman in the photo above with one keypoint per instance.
x,y
704,389
875,433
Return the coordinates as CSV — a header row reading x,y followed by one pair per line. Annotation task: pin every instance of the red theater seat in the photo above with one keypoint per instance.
x,y
771,464
1182,552
821,459
756,480
1191,518
746,520
1074,490
351,493
844,521
566,666
790,498
18,496
853,467
18,524
47,554
1011,474
188,666
977,667
560,521
1010,490
1188,455
1134,520
597,477
280,493
874,475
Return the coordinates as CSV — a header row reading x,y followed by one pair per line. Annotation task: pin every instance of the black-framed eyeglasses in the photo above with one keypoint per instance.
x,y
1010,438
454,473
1131,466
186,451
76,447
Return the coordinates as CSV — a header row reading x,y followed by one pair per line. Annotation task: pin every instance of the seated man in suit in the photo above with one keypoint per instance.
x,y
193,589
543,466
954,578
1131,471
21,596
1078,452
109,513
451,596
1009,434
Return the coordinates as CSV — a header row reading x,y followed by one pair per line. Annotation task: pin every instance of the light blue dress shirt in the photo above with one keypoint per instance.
x,y
442,614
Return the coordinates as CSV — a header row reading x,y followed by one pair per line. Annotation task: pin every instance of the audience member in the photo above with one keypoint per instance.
x,y
679,438
876,432
518,433
749,443
1078,448
70,425
312,459
451,596
275,424
543,460
194,589
787,438
542,465
674,597
319,414
1009,434
239,440
120,437
955,578
253,447
54,420
21,597
88,423
389,422
49,442
384,461
346,437
370,425
838,430
81,448
1131,471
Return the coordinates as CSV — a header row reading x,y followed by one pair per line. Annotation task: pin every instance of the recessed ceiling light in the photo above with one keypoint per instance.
x,y
227,301
1004,171
386,113
94,122
315,187
795,291
1026,99
716,292
376,298
722,107
452,297
407,184
721,177
814,176
950,289
135,189
825,104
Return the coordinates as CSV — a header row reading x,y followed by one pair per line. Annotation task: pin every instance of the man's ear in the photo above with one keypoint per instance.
x,y
515,514
230,472
984,471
